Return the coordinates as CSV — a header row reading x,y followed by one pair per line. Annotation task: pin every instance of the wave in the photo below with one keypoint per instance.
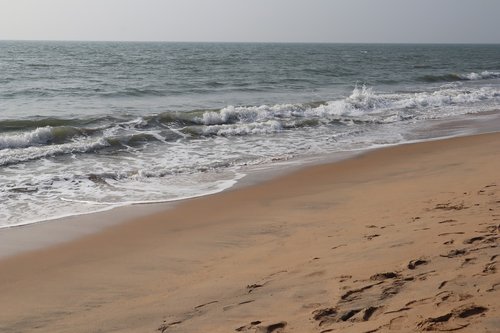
x,y
136,92
39,136
7,125
53,131
43,136
36,137
56,141
362,102
451,77
134,139
14,156
363,107
88,91
24,152
441,78
481,76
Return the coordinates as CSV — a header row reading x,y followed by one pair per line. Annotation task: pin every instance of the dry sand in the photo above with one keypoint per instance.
x,y
401,239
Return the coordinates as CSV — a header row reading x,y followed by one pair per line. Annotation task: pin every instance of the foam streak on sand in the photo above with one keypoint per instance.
x,y
318,250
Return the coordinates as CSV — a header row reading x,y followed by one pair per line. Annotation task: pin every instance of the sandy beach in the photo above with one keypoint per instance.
x,y
399,239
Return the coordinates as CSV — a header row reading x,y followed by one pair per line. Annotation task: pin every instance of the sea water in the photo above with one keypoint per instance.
x,y
87,126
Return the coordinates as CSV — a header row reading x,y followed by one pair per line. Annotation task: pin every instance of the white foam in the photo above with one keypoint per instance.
x,y
448,97
266,127
364,99
38,136
480,76
10,156
72,203
249,114
362,104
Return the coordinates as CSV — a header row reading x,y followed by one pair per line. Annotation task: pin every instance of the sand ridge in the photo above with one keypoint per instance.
x,y
402,239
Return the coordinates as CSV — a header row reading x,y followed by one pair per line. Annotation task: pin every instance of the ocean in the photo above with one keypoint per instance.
x,y
89,126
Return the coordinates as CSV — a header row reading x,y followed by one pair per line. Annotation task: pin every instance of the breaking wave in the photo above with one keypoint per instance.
x,y
14,156
362,107
43,136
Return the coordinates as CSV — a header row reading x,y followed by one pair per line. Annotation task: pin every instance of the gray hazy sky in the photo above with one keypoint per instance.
x,y
411,21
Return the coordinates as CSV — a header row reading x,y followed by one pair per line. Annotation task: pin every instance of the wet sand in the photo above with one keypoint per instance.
x,y
400,239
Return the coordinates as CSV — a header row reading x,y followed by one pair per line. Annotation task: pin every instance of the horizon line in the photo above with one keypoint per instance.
x,y
245,42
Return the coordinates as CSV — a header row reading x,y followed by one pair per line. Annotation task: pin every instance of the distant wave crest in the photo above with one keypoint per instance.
x,y
451,77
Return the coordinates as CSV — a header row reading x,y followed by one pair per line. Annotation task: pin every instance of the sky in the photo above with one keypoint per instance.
x,y
336,21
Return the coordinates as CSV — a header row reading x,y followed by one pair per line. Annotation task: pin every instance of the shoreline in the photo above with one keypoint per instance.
x,y
375,239
17,239
30,236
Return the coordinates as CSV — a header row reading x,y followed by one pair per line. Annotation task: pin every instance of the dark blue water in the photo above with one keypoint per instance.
x,y
86,126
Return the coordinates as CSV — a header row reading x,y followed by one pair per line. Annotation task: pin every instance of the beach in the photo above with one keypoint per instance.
x,y
401,239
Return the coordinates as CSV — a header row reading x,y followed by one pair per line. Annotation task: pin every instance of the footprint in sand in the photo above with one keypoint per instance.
x,y
248,327
401,244
336,247
484,190
446,297
468,261
453,320
452,233
384,276
397,323
442,284
417,262
418,302
421,229
334,315
490,268
257,328
413,219
354,293
447,221
344,278
451,206
252,287
231,306
473,240
494,287
205,304
325,315
455,253
370,237
166,325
